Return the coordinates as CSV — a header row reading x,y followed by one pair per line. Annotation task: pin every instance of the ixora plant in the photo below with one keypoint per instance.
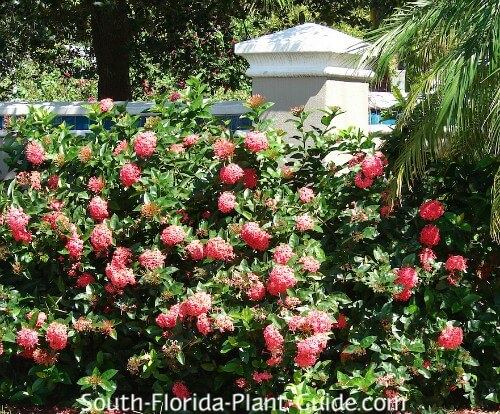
x,y
182,258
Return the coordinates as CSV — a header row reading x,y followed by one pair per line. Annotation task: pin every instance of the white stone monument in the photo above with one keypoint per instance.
x,y
309,65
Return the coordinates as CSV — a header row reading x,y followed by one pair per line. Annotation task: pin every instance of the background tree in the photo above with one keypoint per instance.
x,y
127,38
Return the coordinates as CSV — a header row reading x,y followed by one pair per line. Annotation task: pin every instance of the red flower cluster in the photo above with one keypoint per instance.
x,y
254,236
456,263
84,280
431,210
231,173
180,390
430,235
407,277
371,168
250,178
451,337
281,278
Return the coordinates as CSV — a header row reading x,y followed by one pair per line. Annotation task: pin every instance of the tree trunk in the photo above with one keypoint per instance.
x,y
111,43
374,17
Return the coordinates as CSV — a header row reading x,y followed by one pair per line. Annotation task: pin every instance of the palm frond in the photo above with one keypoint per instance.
x,y
453,49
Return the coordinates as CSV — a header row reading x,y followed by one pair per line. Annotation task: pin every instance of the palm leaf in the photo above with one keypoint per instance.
x,y
453,104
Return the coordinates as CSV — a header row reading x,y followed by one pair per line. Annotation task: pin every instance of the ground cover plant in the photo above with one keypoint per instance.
x,y
181,257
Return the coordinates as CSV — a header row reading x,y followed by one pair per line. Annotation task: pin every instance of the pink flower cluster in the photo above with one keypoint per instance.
x,y
145,144
223,148
280,279
190,140
254,236
169,319
121,146
274,344
371,168
195,249
106,104
74,245
282,254
426,256
57,336
304,222
35,153
451,337
173,235
407,277
117,271
152,259
308,349
197,304
259,377
98,209
18,220
40,320
231,173
95,184
27,338
101,237
218,249
310,264
130,174
256,141
316,321
226,202
306,194
204,324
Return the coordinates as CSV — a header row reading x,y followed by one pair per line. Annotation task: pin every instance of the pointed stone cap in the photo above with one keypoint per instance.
x,y
306,50
309,37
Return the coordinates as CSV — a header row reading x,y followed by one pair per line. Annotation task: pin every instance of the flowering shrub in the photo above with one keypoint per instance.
x,y
238,261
